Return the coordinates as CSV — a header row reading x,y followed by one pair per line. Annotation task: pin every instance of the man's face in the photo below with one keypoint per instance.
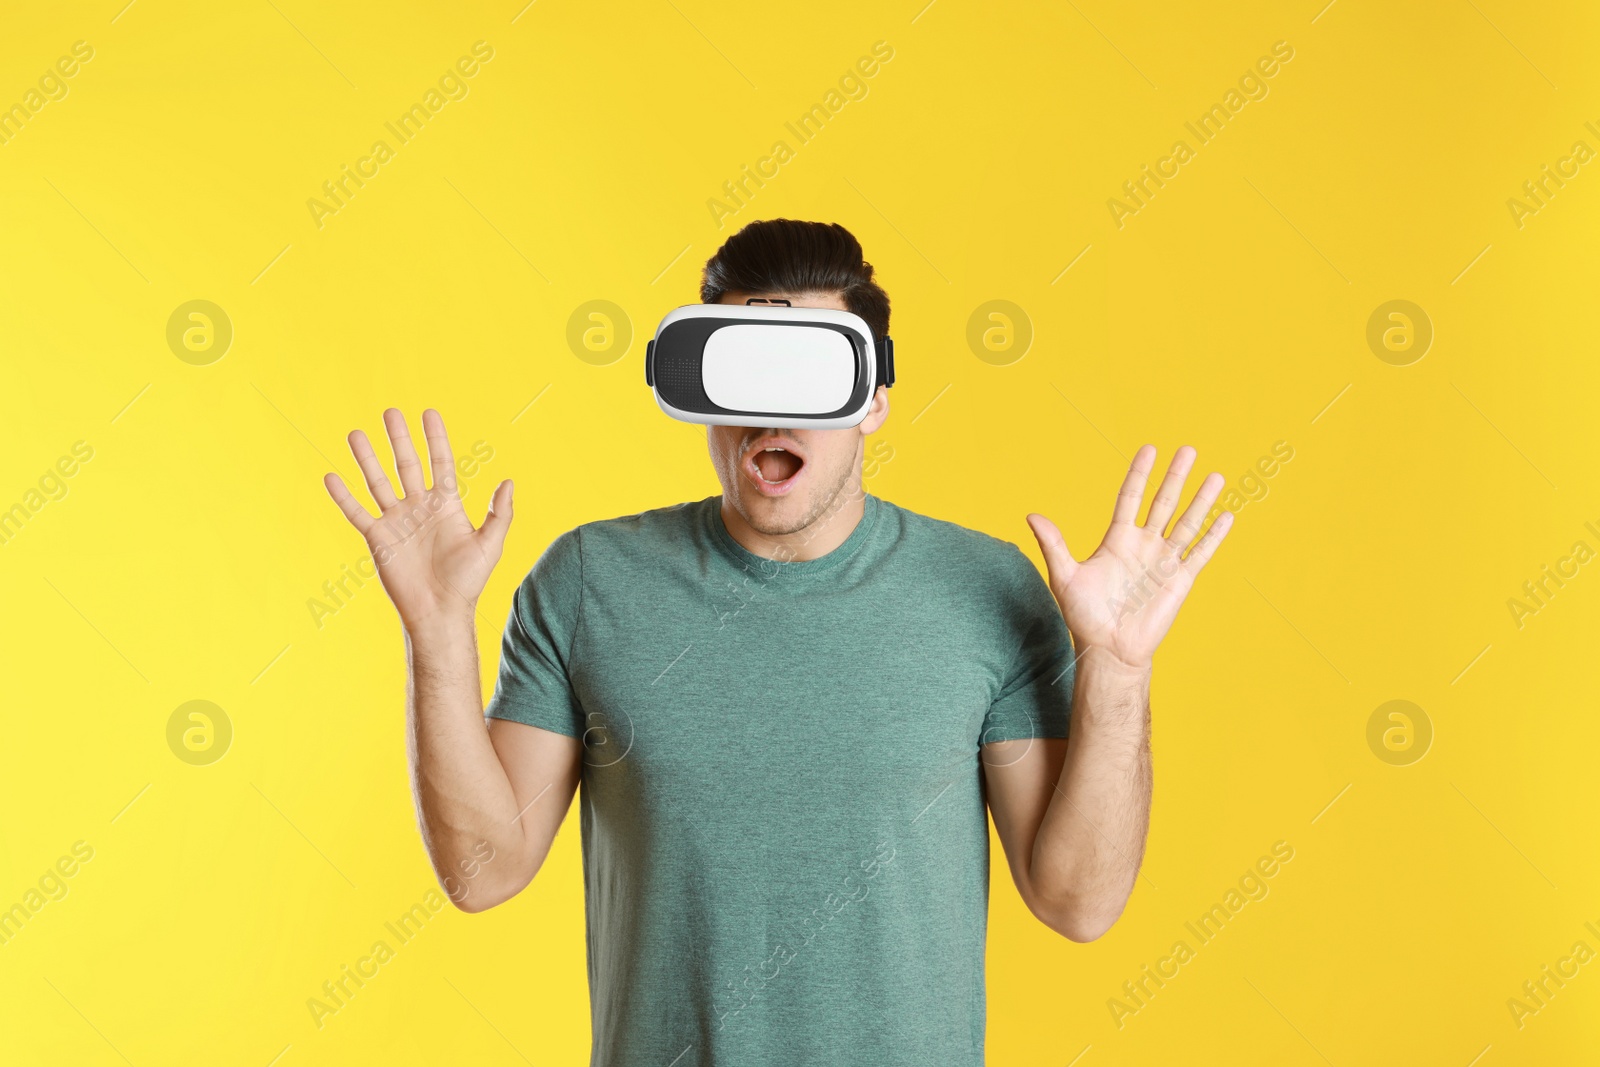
x,y
780,481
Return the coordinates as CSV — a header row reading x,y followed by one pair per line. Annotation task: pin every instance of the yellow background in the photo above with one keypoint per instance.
x,y
1228,313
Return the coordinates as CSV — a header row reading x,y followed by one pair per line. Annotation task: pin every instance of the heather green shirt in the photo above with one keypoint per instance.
x,y
785,844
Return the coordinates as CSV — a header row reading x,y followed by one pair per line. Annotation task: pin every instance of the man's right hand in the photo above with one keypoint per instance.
x,y
432,563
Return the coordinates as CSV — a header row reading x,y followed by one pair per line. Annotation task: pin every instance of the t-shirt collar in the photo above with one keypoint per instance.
x,y
773,567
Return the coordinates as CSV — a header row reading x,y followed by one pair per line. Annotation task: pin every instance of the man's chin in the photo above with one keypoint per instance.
x,y
774,516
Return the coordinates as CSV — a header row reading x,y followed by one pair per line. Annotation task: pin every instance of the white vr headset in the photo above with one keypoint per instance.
x,y
750,365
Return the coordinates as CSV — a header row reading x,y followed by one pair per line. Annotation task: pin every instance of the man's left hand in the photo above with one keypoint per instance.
x,y
1122,600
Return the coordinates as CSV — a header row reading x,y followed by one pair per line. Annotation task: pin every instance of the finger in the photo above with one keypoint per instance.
x,y
359,517
1131,495
498,521
1195,515
406,463
1166,501
377,479
1200,554
1057,557
440,457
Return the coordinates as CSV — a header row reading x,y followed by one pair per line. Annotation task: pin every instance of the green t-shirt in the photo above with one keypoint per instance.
x,y
785,843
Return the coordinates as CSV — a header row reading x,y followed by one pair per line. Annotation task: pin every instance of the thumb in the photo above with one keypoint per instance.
x,y
498,521
1057,557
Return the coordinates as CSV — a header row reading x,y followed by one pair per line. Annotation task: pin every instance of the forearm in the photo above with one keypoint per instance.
x,y
1091,841
466,806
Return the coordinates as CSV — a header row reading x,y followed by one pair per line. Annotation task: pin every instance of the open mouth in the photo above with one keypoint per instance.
x,y
773,465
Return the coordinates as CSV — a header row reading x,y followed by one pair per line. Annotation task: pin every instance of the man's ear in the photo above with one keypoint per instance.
x,y
877,413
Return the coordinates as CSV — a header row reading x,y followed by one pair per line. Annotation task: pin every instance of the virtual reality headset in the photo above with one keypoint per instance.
x,y
750,365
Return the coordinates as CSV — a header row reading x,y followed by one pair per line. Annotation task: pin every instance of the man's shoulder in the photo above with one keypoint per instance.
x,y
955,544
621,537
669,521
622,553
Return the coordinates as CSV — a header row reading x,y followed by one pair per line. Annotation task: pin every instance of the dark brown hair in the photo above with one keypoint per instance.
x,y
789,256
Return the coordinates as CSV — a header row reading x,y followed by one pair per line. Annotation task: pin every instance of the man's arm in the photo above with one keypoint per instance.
x,y
1073,815
489,800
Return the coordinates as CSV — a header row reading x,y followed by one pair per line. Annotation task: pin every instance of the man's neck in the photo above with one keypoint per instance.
x,y
825,533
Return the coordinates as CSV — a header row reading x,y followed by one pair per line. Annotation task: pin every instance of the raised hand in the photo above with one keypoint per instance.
x,y
432,563
1123,598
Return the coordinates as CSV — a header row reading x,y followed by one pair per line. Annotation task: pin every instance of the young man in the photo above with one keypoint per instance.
x,y
789,707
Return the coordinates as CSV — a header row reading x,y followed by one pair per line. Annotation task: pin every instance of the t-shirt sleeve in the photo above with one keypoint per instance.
x,y
1036,694
534,685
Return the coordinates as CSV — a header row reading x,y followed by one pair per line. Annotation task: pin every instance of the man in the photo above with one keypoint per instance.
x,y
788,707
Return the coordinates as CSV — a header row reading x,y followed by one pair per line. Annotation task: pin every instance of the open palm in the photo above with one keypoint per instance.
x,y
1124,597
431,560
